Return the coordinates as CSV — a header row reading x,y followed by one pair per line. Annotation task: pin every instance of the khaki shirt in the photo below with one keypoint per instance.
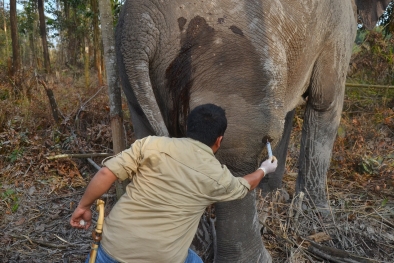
x,y
173,181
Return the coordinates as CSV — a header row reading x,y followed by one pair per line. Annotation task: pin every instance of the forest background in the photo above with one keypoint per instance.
x,y
54,100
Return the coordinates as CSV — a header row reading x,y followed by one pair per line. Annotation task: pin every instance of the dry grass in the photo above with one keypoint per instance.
x,y
360,186
37,195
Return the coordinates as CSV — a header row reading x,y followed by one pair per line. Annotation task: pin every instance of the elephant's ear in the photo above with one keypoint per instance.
x,y
371,10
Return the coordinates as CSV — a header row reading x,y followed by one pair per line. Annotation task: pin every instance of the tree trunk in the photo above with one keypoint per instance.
x,y
5,33
43,32
87,62
52,101
32,50
114,91
16,59
96,42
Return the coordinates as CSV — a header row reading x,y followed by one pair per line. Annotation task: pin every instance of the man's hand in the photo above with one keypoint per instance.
x,y
81,218
269,165
100,184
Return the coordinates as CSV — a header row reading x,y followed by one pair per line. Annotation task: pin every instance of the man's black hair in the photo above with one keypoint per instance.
x,y
206,123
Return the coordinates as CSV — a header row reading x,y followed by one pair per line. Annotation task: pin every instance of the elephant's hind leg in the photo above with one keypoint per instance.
x,y
321,121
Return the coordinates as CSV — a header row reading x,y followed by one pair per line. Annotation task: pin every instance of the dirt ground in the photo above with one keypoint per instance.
x,y
38,195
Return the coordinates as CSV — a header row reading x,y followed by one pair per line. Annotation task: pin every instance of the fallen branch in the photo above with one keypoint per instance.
x,y
335,255
78,155
81,155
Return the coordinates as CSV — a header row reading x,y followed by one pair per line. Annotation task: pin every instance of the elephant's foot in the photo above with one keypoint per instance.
x,y
306,202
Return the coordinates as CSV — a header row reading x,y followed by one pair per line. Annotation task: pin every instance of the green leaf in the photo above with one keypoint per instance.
x,y
384,202
15,207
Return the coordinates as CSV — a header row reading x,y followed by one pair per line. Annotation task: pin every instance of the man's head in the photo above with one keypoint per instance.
x,y
206,123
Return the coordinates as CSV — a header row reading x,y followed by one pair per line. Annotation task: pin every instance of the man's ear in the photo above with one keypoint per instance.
x,y
219,141
215,147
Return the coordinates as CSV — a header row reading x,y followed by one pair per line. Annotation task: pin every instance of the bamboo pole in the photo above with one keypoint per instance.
x,y
96,234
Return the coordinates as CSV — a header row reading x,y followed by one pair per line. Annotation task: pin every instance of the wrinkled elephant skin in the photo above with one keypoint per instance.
x,y
256,59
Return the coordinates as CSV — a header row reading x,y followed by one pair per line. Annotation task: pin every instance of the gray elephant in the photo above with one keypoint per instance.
x,y
258,60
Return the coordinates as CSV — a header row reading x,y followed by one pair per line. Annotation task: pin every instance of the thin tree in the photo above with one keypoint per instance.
x,y
16,59
96,41
5,32
43,33
87,61
116,115
27,22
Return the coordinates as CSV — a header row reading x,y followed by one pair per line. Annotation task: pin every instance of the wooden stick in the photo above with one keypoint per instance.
x,y
78,155
96,235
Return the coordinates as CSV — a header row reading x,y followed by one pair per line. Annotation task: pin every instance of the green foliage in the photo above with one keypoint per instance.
x,y
10,198
373,58
4,94
116,6
369,165
384,202
28,18
361,35
15,155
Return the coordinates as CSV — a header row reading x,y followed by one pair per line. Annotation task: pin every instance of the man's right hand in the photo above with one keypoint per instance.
x,y
269,165
100,183
81,215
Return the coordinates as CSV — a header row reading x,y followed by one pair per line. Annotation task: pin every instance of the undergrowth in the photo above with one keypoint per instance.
x,y
362,161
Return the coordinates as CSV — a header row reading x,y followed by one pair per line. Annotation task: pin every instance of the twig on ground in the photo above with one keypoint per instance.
x,y
31,162
42,243
65,241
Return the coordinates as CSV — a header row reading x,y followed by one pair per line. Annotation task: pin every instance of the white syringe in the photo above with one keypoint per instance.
x,y
269,150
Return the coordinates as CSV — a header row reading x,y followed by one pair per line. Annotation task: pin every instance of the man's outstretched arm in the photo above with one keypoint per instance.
x,y
268,166
100,184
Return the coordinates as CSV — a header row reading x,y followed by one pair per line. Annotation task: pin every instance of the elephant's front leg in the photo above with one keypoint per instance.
x,y
321,121
238,233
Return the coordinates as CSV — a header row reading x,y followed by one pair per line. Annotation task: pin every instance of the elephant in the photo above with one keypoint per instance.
x,y
258,60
